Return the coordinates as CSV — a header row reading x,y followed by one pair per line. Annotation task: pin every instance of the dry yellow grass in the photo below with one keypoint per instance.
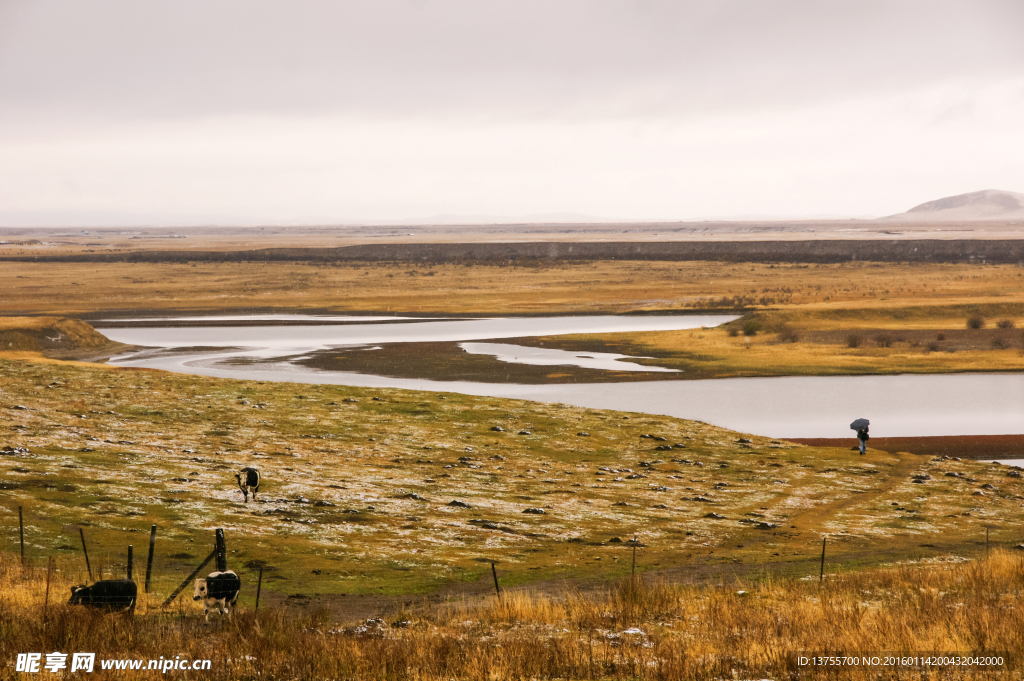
x,y
637,630
556,287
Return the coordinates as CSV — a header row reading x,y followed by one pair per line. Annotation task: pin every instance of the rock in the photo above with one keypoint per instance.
x,y
583,433
659,506
679,445
659,438
977,493
459,504
413,496
647,437
302,500
1013,474
316,572
496,457
322,504
535,511
20,407
350,400
525,432
715,516
621,503
616,540
703,499
744,441
988,486
662,448
497,429
766,526
378,399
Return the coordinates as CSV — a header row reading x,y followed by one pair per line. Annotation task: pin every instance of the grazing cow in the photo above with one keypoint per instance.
x,y
248,481
219,590
108,594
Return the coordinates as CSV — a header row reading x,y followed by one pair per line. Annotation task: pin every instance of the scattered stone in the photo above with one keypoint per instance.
x,y
20,407
1013,474
744,441
322,503
525,432
621,503
679,445
535,511
660,506
459,504
616,540
316,572
988,486
715,516
496,457
350,400
378,399
662,448
497,429
413,496
583,433
977,493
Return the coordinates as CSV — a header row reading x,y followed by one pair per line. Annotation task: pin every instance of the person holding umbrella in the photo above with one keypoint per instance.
x,y
861,426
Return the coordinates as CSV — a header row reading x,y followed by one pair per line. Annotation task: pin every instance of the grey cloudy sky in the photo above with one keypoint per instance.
x,y
239,112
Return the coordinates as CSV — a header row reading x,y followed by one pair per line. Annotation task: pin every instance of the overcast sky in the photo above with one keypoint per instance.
x,y
255,112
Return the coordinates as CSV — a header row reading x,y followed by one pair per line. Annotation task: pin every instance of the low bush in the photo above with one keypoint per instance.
x,y
884,340
751,327
1005,324
853,341
975,322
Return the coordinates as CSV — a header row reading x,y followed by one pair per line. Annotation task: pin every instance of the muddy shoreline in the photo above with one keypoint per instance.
x,y
977,447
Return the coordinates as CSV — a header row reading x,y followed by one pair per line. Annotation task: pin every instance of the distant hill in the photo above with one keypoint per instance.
x,y
989,204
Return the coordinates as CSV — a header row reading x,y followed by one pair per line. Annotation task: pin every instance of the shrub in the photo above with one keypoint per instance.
x,y
853,341
788,335
884,341
1005,324
751,327
933,346
940,336
975,322
998,344
733,332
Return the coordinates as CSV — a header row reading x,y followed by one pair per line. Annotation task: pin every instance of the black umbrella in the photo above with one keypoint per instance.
x,y
860,424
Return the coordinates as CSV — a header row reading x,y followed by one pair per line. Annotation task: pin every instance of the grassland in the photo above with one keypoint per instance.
x,y
639,629
95,289
359,488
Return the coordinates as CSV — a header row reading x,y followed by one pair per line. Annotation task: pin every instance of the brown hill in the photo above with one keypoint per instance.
x,y
989,204
58,337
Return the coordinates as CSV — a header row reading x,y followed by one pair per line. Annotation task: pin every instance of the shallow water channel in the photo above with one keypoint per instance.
x,y
899,406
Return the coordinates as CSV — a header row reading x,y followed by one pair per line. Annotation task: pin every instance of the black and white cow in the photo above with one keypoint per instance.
x,y
219,590
248,481
108,594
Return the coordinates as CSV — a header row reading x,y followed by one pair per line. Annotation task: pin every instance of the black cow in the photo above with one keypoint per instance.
x,y
108,594
248,481
219,590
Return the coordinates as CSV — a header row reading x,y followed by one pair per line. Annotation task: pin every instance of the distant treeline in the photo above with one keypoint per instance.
x,y
822,251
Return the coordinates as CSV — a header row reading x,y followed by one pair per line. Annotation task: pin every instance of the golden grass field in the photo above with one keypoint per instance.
x,y
638,629
80,289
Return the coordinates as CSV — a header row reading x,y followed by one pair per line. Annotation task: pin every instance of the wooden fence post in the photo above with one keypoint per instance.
x,y
494,572
130,560
46,602
222,551
634,557
259,587
821,574
81,533
149,563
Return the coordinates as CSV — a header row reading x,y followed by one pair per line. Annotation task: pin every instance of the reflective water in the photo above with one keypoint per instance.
x,y
518,354
898,406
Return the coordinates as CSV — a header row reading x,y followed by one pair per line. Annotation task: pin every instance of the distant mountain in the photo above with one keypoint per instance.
x,y
989,204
